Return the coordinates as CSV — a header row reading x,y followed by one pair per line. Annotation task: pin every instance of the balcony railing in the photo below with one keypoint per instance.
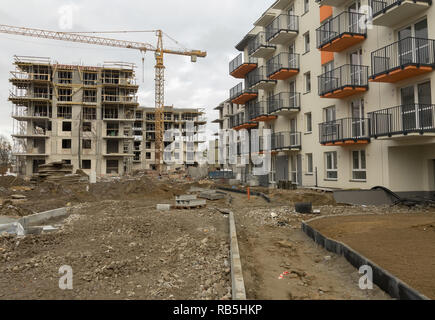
x,y
344,30
19,75
257,76
237,63
381,6
343,81
257,109
409,56
402,120
283,23
119,98
285,63
345,131
239,95
282,141
285,101
258,42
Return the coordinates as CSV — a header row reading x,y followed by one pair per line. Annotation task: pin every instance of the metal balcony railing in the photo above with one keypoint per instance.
x,y
258,42
19,75
258,75
406,52
381,6
285,101
257,109
283,22
348,75
282,140
404,119
119,98
345,129
238,61
238,90
282,61
351,23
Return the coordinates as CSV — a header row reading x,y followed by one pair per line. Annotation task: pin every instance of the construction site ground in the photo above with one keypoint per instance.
x,y
403,244
120,247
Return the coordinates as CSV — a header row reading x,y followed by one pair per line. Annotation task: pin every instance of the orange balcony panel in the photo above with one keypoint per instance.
x,y
283,74
344,93
346,143
243,70
244,97
352,142
401,74
264,118
246,126
325,13
342,43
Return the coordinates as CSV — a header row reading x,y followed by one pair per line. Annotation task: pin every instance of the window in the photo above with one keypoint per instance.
x,y
309,157
308,122
307,82
87,127
148,155
87,144
64,112
86,164
359,165
331,165
89,113
66,126
148,145
307,42
329,114
67,161
66,143
65,94
306,6
65,77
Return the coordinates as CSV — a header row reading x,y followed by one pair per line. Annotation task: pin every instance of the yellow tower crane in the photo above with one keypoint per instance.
x,y
159,51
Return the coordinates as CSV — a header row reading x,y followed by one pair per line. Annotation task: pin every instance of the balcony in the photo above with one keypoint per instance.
x,y
341,32
238,69
417,119
285,103
259,47
283,29
258,79
403,59
282,141
119,99
18,77
283,66
389,13
343,132
332,3
286,141
343,81
238,95
240,121
259,112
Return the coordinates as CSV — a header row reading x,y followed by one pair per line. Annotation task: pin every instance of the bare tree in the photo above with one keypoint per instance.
x,y
5,154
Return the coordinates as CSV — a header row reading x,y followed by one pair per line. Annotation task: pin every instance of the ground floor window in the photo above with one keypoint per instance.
x,y
112,166
86,164
359,171
309,157
331,165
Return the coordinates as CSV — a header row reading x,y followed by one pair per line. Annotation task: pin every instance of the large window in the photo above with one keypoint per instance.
x,y
359,165
308,122
307,82
331,165
307,42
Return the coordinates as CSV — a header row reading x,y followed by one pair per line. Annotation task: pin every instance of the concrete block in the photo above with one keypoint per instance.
x,y
42,217
164,207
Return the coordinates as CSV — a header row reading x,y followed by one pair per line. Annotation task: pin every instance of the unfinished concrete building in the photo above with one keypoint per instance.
x,y
174,118
87,116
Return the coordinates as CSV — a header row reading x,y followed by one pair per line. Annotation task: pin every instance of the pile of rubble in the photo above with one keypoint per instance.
x,y
58,172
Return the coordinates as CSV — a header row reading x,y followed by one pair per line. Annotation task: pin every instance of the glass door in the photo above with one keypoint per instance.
x,y
293,95
354,17
358,128
422,42
409,119
425,110
355,68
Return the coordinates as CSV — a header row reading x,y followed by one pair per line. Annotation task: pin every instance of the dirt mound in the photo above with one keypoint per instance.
x,y
10,181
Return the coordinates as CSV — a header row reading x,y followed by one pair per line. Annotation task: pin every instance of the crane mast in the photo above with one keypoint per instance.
x,y
159,50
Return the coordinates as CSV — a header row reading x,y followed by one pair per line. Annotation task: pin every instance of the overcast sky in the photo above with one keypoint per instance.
x,y
213,26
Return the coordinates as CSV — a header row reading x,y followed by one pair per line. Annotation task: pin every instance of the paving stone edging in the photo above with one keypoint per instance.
x,y
237,282
395,287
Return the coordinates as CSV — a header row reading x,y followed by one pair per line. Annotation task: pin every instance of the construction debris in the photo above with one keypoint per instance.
x,y
212,195
189,202
59,172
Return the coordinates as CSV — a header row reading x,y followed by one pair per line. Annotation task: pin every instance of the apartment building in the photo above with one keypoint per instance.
x,y
349,106
176,120
87,116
